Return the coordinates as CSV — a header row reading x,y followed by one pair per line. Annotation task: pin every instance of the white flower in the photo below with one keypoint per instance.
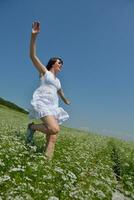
x,y
53,198
58,169
17,169
72,175
2,164
18,198
4,178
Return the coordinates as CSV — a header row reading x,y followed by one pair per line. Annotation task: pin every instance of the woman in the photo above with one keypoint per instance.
x,y
45,98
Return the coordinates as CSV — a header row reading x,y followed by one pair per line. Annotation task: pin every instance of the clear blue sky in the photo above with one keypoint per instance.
x,y
96,41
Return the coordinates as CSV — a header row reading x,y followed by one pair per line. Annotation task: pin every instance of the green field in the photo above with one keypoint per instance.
x,y
85,166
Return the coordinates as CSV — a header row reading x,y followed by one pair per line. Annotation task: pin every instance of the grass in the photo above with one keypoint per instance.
x,y
85,166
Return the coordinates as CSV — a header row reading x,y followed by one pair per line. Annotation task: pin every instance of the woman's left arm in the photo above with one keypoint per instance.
x,y
61,94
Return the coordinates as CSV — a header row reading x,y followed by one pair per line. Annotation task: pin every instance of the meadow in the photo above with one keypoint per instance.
x,y
85,166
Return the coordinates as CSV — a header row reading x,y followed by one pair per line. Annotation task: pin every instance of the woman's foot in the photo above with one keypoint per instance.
x,y
29,133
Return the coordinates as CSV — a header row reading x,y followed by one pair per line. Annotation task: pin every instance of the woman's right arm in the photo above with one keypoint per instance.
x,y
35,30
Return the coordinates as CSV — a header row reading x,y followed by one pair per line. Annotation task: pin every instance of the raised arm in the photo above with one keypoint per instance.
x,y
35,30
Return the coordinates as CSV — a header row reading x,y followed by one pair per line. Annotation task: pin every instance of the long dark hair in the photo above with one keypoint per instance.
x,y
52,61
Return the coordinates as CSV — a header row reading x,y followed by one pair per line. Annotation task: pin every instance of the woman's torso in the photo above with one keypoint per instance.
x,y
49,85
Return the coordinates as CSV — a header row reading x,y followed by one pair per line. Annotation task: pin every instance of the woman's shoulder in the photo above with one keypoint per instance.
x,y
42,75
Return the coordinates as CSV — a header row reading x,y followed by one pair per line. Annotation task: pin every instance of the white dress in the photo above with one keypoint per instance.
x,y
45,99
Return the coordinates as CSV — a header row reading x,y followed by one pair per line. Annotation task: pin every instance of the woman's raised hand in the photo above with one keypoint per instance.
x,y
35,27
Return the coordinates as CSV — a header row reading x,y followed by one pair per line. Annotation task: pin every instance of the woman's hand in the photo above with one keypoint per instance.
x,y
61,94
67,102
35,28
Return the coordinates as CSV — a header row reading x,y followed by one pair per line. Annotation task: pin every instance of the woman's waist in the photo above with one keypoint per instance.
x,y
46,90
45,97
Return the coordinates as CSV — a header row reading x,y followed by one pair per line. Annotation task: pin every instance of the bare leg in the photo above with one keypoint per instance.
x,y
51,128
40,127
50,145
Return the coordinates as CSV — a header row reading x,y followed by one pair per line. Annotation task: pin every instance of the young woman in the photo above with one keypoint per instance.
x,y
45,98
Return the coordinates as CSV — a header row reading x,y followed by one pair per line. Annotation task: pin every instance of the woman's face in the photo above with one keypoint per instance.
x,y
57,66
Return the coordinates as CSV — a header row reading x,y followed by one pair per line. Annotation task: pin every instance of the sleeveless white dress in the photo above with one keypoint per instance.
x,y
45,99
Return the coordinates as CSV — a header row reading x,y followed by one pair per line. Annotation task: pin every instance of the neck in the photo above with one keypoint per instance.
x,y
54,73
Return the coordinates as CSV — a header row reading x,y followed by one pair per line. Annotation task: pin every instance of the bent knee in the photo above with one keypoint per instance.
x,y
54,129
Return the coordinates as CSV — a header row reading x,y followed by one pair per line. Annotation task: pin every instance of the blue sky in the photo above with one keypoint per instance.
x,y
96,41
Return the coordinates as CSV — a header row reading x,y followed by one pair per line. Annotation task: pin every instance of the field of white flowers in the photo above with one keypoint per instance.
x,y
85,166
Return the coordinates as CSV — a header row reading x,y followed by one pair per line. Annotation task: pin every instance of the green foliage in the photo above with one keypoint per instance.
x,y
85,166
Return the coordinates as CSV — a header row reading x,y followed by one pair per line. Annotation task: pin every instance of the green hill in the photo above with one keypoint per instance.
x,y
12,105
85,166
